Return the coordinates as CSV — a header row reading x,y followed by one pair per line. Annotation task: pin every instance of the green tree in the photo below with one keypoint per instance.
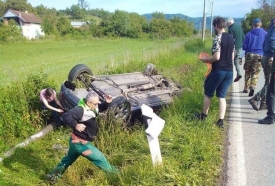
x,y
63,26
21,5
158,15
9,31
181,27
268,11
43,11
76,12
2,8
136,25
49,24
247,22
160,28
120,23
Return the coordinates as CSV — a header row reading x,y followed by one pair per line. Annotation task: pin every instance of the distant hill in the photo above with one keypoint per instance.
x,y
197,21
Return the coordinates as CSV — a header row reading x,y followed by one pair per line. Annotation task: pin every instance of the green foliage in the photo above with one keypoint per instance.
x,y
160,28
103,23
76,12
181,27
49,24
266,12
158,15
191,150
21,5
21,112
255,13
43,11
63,26
2,8
10,32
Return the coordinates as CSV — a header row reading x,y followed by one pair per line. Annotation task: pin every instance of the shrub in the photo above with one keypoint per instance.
x,y
21,114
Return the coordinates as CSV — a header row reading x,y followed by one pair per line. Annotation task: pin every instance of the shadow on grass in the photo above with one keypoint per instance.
x,y
24,158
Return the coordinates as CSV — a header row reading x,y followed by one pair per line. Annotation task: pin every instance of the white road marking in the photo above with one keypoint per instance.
x,y
236,160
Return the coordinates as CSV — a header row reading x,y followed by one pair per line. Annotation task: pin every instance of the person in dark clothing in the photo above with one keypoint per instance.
x,y
269,48
237,33
253,47
82,119
270,99
221,75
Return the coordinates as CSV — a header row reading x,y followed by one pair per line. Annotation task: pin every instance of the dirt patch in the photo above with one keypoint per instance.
x,y
185,69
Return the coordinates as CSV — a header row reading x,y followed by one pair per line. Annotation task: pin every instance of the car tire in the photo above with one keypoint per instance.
x,y
121,107
78,71
150,70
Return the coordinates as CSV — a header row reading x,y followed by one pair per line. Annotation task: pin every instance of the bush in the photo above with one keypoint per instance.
x,y
21,114
10,32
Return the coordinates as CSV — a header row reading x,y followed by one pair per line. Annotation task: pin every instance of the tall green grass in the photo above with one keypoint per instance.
x,y
191,150
57,58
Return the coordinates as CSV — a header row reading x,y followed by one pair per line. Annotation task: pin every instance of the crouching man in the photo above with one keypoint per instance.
x,y
82,119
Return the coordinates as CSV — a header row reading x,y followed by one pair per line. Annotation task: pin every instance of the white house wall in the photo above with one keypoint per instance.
x,y
32,31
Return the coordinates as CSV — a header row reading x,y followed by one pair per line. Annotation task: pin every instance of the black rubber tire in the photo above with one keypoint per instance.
x,y
77,71
121,107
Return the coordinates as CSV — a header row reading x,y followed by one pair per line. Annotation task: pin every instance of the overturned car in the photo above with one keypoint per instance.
x,y
129,90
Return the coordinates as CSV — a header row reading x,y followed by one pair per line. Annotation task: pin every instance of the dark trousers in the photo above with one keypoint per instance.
x,y
270,97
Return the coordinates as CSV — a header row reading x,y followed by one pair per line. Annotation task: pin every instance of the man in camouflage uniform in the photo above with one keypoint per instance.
x,y
253,47
269,48
252,67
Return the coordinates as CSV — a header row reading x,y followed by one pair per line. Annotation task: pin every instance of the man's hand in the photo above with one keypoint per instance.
x,y
80,127
108,98
60,110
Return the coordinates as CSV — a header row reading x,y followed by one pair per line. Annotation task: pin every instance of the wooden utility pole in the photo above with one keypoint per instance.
x,y
204,22
211,25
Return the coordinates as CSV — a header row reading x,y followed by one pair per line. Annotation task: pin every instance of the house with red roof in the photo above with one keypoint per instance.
x,y
29,23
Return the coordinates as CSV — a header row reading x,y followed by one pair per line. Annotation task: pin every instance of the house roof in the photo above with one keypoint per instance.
x,y
25,16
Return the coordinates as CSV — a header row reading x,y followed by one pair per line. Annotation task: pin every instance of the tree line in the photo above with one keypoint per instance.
x,y
100,23
265,12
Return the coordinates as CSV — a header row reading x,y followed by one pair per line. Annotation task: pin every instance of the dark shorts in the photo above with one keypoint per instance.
x,y
218,81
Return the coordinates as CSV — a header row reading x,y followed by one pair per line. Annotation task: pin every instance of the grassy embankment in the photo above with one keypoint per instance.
x,y
191,150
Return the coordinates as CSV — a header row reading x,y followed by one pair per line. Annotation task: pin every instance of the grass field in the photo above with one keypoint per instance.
x,y
191,150
57,58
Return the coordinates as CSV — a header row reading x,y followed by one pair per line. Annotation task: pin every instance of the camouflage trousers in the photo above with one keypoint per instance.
x,y
252,67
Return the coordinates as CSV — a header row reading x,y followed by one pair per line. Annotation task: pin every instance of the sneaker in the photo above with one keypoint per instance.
x,y
253,103
200,116
245,91
251,93
267,120
238,78
263,106
220,123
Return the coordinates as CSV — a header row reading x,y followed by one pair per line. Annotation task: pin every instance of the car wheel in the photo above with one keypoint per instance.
x,y
121,108
150,70
78,72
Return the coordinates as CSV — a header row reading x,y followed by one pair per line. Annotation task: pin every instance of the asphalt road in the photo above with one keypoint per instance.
x,y
251,146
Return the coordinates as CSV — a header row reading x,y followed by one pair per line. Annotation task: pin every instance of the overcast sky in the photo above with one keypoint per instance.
x,y
191,8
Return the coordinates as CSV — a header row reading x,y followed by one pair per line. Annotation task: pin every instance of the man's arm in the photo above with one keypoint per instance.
x,y
58,102
245,42
73,116
272,41
215,57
